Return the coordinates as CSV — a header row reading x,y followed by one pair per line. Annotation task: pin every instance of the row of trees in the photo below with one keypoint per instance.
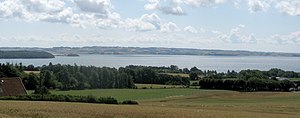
x,y
245,74
150,75
252,84
252,80
68,77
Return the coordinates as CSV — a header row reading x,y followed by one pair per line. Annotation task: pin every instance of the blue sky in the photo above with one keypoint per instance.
x,y
257,25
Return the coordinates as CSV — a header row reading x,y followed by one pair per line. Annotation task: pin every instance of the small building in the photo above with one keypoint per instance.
x,y
12,86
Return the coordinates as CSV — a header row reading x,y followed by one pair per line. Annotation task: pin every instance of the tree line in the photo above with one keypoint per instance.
x,y
252,84
72,77
252,80
154,75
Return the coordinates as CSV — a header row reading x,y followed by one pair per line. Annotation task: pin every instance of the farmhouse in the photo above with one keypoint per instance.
x,y
11,87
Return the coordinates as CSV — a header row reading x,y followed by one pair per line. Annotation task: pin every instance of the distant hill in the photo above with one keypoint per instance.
x,y
162,51
17,54
151,51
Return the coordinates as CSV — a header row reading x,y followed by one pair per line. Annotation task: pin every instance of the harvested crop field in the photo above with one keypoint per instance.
x,y
57,109
194,103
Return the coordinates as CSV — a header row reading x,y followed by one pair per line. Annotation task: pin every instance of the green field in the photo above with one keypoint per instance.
x,y
178,74
132,94
176,102
157,86
294,79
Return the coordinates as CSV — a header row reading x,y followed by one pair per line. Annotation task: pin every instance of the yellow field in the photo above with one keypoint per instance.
x,y
157,86
76,110
196,104
178,74
35,72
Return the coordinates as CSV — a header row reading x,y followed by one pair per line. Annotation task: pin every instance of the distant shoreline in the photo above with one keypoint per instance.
x,y
76,51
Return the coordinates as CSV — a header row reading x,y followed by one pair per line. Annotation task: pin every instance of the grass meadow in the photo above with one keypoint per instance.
x,y
162,103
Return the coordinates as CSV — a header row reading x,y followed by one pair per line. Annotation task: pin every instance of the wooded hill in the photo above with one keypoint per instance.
x,y
24,54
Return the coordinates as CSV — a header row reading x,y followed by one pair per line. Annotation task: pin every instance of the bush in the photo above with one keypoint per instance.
x,y
41,90
144,87
108,100
130,102
195,84
91,99
63,98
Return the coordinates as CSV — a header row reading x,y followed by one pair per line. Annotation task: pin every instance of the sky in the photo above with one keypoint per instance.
x,y
255,25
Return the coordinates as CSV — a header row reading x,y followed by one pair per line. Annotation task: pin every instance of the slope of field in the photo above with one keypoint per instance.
x,y
132,94
165,103
82,110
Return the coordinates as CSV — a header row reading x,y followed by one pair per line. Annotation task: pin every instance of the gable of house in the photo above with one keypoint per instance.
x,y
12,86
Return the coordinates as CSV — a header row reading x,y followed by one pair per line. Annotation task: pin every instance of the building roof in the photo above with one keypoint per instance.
x,y
12,86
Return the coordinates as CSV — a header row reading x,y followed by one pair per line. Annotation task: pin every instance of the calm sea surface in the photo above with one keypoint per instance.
x,y
219,63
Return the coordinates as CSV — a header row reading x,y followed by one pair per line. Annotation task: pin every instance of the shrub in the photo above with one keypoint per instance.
x,y
108,100
144,87
63,98
91,99
195,84
41,90
130,102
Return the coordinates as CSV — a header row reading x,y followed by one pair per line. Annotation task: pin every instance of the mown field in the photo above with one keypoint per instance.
x,y
177,102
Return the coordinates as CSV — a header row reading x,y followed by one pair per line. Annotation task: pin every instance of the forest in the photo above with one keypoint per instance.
x,y
74,77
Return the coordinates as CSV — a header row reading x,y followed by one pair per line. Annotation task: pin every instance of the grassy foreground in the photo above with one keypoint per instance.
x,y
165,103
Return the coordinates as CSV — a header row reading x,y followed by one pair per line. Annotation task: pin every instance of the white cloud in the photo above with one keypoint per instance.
x,y
216,32
149,22
169,27
190,29
235,36
174,7
153,19
172,10
44,5
82,13
167,7
289,7
258,5
12,8
100,7
236,3
203,3
292,38
138,25
34,10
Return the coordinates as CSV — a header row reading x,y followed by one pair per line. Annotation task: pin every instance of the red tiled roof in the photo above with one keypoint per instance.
x,y
12,86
